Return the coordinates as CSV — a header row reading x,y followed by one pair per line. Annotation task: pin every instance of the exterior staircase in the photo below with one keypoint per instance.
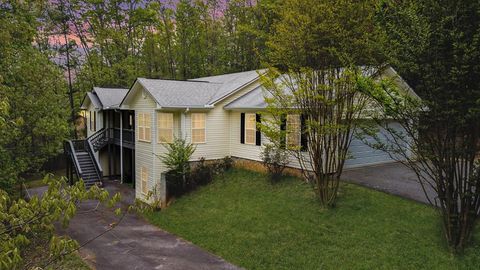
x,y
82,160
90,174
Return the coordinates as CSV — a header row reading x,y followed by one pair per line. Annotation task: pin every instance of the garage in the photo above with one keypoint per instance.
x,y
361,154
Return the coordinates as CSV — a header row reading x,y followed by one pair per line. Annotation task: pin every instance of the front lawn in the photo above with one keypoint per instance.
x,y
256,225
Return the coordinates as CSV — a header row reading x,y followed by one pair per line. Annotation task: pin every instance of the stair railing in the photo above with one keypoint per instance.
x,y
96,162
69,149
98,139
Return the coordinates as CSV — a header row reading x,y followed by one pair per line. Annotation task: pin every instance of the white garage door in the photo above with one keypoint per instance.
x,y
362,155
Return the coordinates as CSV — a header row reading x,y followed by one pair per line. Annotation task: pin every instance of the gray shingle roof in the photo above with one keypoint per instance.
x,y
170,93
252,100
110,97
105,98
230,82
200,92
94,99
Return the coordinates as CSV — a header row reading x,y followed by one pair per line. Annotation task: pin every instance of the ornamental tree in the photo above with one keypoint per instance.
x,y
318,48
436,51
313,116
28,225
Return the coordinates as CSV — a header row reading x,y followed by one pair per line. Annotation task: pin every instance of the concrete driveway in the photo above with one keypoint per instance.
x,y
134,243
393,178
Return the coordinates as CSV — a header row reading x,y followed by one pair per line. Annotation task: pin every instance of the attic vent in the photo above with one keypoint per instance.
x,y
144,95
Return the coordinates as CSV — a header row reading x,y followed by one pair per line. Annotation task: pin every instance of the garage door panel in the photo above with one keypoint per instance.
x,y
361,154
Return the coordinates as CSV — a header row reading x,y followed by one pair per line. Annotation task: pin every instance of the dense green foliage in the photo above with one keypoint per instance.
x,y
275,159
442,131
32,96
324,34
249,222
320,49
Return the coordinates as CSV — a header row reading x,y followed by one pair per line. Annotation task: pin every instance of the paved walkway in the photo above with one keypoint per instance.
x,y
134,243
393,178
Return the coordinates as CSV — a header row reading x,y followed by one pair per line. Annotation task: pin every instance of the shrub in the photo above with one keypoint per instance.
x,y
178,156
177,160
275,160
203,172
226,163
199,174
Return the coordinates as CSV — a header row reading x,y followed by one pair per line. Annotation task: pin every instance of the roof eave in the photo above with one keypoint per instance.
x,y
245,108
234,91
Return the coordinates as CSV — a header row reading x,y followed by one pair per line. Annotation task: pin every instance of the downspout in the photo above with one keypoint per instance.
x,y
184,124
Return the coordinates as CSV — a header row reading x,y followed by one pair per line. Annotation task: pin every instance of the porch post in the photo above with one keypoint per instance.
x,y
121,147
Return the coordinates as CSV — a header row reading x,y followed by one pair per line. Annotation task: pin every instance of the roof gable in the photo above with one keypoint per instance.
x,y
201,92
110,97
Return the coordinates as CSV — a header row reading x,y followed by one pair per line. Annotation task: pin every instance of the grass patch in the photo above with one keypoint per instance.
x,y
36,180
256,225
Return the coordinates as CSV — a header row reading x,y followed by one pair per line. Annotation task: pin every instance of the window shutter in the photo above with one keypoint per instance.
x,y
283,128
242,128
258,134
303,136
94,121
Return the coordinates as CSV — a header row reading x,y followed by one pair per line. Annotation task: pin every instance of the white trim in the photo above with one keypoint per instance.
x,y
143,126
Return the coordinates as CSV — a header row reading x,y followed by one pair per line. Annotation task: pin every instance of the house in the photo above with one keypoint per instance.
x,y
128,128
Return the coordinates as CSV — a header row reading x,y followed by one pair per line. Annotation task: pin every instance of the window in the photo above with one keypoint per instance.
x,y
293,130
165,127
198,128
144,127
250,128
93,121
144,179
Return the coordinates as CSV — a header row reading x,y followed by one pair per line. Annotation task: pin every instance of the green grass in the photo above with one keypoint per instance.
x,y
33,181
256,225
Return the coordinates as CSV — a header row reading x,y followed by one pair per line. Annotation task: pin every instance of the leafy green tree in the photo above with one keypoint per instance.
x,y
190,49
321,49
322,34
114,33
159,48
8,132
313,116
434,45
33,93
247,25
28,225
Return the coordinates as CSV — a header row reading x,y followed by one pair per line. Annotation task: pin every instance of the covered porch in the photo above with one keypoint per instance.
x,y
115,144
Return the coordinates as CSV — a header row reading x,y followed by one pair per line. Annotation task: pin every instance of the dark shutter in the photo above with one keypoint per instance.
x,y
94,121
303,137
258,134
283,128
242,128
